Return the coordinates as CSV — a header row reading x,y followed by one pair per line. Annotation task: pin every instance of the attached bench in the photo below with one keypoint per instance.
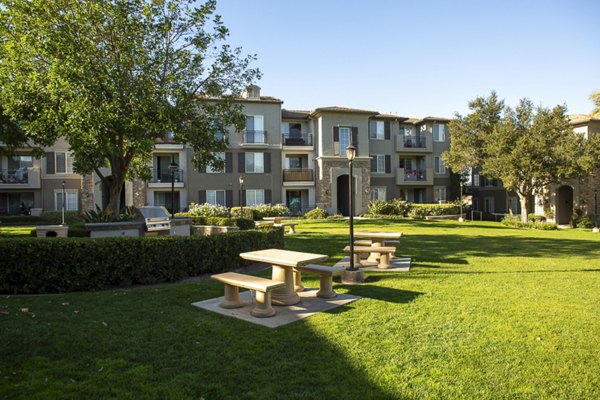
x,y
326,278
292,227
386,252
263,287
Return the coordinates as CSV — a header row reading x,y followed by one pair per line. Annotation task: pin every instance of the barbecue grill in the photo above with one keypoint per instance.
x,y
156,219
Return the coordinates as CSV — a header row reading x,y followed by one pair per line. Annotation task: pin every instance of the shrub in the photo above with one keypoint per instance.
x,y
48,265
208,210
420,211
249,213
381,207
241,223
316,213
335,216
47,218
535,218
583,222
268,210
546,226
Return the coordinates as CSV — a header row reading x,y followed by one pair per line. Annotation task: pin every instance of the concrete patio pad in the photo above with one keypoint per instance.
x,y
309,304
397,264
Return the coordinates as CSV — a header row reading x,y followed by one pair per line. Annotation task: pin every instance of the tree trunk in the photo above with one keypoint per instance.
x,y
524,211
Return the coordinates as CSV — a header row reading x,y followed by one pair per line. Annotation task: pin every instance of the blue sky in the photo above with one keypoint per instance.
x,y
420,58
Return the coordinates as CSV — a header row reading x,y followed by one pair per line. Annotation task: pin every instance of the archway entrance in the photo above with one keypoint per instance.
x,y
343,195
564,205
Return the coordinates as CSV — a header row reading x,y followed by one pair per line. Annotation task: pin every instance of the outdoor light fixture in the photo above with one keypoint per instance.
x,y
64,203
460,218
352,274
173,167
596,210
241,180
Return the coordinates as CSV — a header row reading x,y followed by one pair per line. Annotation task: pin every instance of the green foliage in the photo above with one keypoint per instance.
x,y
549,213
111,77
545,226
97,215
48,265
249,213
47,218
335,216
208,210
532,217
595,98
267,210
582,222
391,207
420,211
316,213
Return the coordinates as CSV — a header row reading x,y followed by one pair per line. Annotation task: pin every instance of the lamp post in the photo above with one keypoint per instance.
x,y
64,203
241,180
173,167
460,218
352,274
596,228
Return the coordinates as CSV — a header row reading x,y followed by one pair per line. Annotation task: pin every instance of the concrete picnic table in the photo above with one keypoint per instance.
x,y
377,240
283,263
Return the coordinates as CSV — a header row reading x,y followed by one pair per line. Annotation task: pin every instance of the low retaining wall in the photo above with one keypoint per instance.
x,y
206,230
454,217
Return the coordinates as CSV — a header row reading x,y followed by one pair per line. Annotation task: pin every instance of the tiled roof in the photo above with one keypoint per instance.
x,y
294,114
440,119
582,118
344,110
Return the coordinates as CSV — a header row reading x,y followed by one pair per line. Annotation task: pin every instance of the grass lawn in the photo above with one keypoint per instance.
x,y
487,312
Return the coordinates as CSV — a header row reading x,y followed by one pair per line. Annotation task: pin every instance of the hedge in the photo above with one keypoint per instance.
x,y
422,210
50,265
242,223
47,218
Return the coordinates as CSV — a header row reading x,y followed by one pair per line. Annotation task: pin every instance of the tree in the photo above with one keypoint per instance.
x,y
112,76
527,148
595,98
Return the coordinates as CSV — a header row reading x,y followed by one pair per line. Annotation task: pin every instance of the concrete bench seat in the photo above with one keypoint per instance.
x,y
386,252
290,225
263,287
326,278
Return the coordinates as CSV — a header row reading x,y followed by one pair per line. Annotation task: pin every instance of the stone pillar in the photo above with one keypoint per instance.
x,y
139,193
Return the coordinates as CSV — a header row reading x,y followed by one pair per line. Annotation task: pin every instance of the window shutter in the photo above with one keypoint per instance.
x,y
241,162
229,198
336,134
50,167
386,130
228,162
267,196
267,162
201,196
243,199
355,138
388,164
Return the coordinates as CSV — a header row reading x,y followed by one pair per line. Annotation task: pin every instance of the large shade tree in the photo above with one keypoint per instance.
x,y
112,76
527,147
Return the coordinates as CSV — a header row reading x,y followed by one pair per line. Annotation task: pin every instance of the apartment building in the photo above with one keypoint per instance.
x,y
291,157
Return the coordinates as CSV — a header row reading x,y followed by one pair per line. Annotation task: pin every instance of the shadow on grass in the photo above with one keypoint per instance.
x,y
380,292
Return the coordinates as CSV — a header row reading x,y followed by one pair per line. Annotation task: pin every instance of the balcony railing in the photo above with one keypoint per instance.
x,y
14,176
255,137
295,139
164,176
415,174
421,176
297,175
415,141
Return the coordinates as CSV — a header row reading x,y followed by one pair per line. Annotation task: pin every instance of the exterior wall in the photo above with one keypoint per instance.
x,y
52,182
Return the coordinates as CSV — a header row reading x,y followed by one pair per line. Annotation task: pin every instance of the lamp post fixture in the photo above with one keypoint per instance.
x,y
173,167
460,218
64,203
596,228
241,180
352,274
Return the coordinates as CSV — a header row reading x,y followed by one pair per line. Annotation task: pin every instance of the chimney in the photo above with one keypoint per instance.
x,y
253,92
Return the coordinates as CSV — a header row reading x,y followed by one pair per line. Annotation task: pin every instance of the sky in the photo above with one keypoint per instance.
x,y
420,58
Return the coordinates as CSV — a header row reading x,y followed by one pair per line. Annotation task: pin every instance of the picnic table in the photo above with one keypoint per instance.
x,y
283,263
377,240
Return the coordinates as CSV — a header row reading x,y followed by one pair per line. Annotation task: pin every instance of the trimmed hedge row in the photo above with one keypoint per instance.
x,y
242,223
47,218
50,265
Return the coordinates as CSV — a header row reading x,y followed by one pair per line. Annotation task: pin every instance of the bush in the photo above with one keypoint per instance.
x,y
545,226
392,207
241,223
47,218
249,213
420,211
268,210
49,265
535,218
583,222
316,213
335,216
208,210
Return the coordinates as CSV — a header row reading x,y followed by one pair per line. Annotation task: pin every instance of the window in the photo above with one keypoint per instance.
x,y
440,168
439,133
378,163
63,162
255,129
215,197
255,163
377,130
72,203
255,197
488,204
406,131
439,194
211,170
291,129
378,193
293,162
344,140
476,180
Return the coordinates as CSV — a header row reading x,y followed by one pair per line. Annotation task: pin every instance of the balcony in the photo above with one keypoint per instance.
x,y
162,178
414,144
297,175
414,177
297,140
21,178
254,139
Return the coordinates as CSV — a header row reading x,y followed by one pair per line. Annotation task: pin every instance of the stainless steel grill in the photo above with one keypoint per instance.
x,y
156,219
